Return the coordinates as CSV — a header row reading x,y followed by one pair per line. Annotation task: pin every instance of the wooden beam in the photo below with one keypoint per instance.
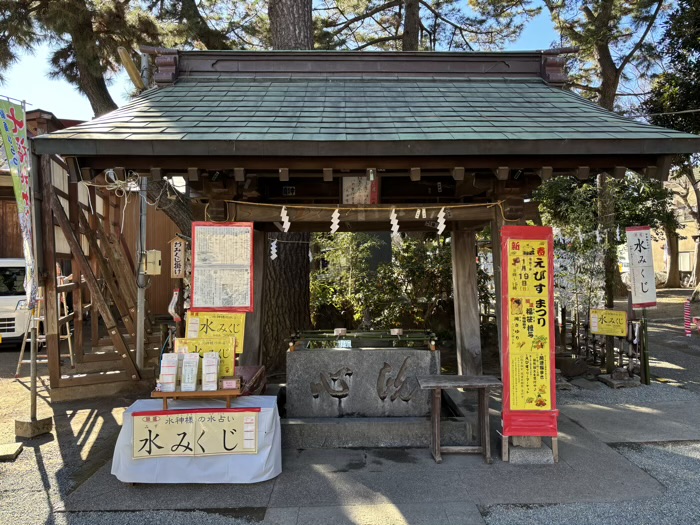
x,y
651,171
502,172
415,174
284,174
239,174
545,172
466,302
120,173
50,305
156,173
619,172
85,174
328,174
378,213
458,173
95,293
560,162
583,172
193,174
664,167
128,316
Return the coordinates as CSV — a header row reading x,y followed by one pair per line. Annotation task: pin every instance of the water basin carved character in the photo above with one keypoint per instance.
x,y
334,384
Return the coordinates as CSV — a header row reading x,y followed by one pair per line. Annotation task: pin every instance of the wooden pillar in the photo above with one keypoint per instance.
x,y
252,354
466,301
94,312
50,305
496,224
74,212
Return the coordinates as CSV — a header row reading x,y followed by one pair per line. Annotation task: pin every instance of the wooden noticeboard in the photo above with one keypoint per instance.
x,y
222,266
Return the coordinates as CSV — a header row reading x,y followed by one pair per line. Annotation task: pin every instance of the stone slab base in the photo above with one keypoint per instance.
x,y
29,429
10,451
619,383
366,382
531,456
371,432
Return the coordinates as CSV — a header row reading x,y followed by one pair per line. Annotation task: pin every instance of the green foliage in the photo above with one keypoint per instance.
x,y
571,205
413,291
343,280
678,87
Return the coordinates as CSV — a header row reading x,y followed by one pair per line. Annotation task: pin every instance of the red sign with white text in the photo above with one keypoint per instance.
x,y
527,325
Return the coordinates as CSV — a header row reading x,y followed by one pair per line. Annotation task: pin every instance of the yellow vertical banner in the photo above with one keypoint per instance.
x,y
528,324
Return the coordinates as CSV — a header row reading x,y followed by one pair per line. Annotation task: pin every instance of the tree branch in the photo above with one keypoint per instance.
x,y
378,41
639,43
367,14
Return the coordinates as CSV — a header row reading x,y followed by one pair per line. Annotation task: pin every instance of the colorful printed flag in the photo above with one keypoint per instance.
x,y
13,128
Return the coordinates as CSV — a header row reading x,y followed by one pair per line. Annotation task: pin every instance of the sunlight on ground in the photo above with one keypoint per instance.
x,y
664,364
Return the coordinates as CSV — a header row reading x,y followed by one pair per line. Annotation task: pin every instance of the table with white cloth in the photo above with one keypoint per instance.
x,y
234,468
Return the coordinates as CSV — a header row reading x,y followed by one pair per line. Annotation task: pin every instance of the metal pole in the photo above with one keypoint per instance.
x,y
38,249
141,280
645,340
32,366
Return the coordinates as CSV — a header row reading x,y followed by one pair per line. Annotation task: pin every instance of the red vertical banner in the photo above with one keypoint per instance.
x,y
527,324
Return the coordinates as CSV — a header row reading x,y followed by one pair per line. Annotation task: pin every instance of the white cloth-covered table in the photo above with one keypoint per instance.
x,y
236,468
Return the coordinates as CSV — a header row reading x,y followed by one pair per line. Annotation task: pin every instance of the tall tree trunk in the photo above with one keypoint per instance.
x,y
90,80
605,217
673,275
291,24
411,26
285,297
285,307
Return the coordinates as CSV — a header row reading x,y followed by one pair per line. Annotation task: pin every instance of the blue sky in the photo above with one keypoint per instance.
x,y
28,79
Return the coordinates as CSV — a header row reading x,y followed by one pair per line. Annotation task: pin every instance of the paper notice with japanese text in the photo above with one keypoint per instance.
x,y
529,330
216,324
200,432
641,263
224,346
222,271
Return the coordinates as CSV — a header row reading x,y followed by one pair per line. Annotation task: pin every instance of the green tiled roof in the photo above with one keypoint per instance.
x,y
335,115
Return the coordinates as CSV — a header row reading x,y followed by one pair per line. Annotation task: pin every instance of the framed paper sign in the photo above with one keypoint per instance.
x,y
222,266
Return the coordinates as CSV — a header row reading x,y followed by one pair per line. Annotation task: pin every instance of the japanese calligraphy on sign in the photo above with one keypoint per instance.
x,y
216,324
222,266
177,258
529,309
13,130
360,190
200,432
224,346
641,264
609,322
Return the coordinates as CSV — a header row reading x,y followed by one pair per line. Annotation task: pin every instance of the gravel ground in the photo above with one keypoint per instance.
x,y
674,465
147,518
601,394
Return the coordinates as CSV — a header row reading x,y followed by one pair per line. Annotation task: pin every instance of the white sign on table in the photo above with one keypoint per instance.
x,y
641,262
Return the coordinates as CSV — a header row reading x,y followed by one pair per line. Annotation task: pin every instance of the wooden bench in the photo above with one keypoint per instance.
x,y
481,384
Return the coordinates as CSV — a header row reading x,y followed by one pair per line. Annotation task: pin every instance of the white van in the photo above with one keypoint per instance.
x,y
14,315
